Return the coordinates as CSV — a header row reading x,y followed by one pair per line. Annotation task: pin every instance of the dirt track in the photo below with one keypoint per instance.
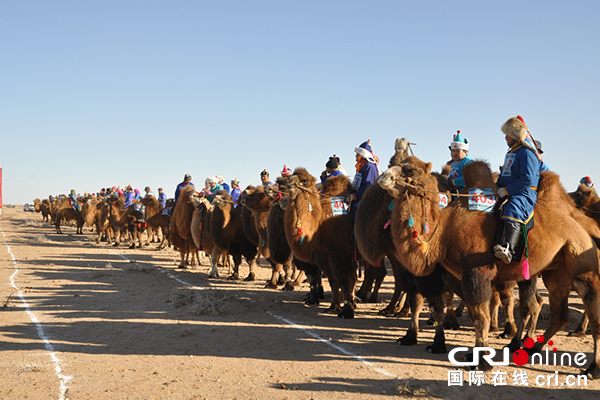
x,y
116,327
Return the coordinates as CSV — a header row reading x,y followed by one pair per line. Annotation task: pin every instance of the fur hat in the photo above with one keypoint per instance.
x,y
212,179
364,150
515,128
235,182
459,143
264,172
587,181
285,171
219,177
187,177
332,163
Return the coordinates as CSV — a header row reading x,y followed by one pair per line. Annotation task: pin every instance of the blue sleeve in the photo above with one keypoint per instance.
x,y
528,170
369,176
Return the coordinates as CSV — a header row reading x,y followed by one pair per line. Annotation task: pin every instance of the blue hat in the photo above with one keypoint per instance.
x,y
458,142
364,150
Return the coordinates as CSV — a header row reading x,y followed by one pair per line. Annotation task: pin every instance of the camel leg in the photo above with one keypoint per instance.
x,y
581,329
416,301
588,287
558,284
314,279
450,319
300,275
477,291
367,284
396,270
288,270
437,304
347,278
494,307
530,305
214,259
234,273
380,273
276,270
507,298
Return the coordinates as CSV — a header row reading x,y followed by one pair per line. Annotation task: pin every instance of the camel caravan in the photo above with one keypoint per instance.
x,y
466,232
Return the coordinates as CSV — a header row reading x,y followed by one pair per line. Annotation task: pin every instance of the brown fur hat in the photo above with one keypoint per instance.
x,y
515,128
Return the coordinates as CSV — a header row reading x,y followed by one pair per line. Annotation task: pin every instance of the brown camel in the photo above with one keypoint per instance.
x,y
65,211
120,218
227,234
565,257
259,204
96,213
180,232
318,237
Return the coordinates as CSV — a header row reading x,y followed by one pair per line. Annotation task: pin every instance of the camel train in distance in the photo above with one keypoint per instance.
x,y
292,225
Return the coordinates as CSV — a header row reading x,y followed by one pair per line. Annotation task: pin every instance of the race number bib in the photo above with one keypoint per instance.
x,y
443,201
482,199
508,162
357,181
339,206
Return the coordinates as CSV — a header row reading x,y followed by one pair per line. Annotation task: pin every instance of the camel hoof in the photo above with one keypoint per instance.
x,y
507,334
437,348
234,277
454,325
593,371
132,246
289,286
346,312
409,339
181,266
116,244
387,311
270,285
250,277
579,334
493,329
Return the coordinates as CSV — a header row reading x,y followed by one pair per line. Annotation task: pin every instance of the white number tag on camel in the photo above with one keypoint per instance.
x,y
443,200
339,206
482,199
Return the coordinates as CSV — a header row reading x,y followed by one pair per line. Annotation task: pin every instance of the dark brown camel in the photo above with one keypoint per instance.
x,y
318,237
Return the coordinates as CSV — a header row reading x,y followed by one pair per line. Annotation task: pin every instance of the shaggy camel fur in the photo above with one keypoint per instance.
x,y
280,249
45,207
227,234
259,204
587,200
374,242
65,211
180,232
565,257
96,213
317,237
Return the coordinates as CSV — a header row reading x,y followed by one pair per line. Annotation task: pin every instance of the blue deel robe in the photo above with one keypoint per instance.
x,y
520,177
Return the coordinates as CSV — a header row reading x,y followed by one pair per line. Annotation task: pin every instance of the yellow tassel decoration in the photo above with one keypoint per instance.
x,y
423,247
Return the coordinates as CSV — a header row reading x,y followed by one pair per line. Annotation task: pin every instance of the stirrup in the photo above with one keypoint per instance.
x,y
503,253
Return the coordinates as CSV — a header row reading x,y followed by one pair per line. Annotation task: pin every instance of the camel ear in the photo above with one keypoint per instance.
x,y
428,168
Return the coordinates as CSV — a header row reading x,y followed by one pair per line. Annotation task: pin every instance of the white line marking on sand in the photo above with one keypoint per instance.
x,y
63,379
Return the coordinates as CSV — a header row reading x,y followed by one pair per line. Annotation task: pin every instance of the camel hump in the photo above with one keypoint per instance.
x,y
339,185
549,183
478,174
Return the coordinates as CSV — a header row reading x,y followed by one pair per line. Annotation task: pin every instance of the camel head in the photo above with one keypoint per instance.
x,y
585,196
275,192
198,200
413,172
245,193
257,200
300,180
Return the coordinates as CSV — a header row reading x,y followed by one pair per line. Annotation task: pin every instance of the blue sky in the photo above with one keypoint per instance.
x,y
102,93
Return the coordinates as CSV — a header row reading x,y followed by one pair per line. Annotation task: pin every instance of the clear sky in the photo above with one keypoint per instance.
x,y
102,93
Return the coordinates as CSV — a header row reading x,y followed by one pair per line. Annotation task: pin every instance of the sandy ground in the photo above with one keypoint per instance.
x,y
85,321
